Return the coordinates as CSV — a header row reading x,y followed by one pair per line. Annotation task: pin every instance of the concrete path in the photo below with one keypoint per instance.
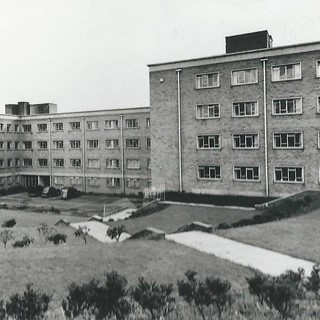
x,y
267,261
98,231
119,215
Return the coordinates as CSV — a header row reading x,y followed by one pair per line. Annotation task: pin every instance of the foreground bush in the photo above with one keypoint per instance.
x,y
58,238
9,223
25,242
115,233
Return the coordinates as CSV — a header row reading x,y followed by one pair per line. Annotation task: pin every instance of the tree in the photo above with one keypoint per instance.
x,y
45,232
5,236
115,233
82,233
155,299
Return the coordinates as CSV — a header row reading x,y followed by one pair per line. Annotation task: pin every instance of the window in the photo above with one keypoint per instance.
x,y
112,144
111,124
209,142
9,180
43,162
93,182
58,126
58,180
75,180
113,182
16,145
26,128
292,140
148,145
209,172
112,163
318,68
42,127
75,126
75,144
27,145
133,183
246,141
132,123
2,180
246,173
9,127
148,123
9,145
93,163
132,143
1,127
286,72
248,76
58,144
75,163
133,164
207,80
209,111
288,174
17,179
16,128
245,109
93,144
27,162
42,145
9,163
58,163
1,145
17,162
92,125
1,163
287,106
149,164
318,104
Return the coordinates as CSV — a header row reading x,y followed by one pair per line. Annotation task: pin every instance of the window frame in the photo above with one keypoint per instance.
x,y
130,147
287,181
39,127
75,141
209,105
111,121
286,114
93,159
74,122
55,125
136,121
95,143
112,161
59,161
75,160
113,184
58,144
247,167
246,115
244,70
138,161
209,135
112,144
209,168
285,64
92,128
317,68
206,74
42,166
245,148
287,148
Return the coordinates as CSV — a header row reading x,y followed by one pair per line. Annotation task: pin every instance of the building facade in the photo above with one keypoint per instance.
x,y
95,151
242,123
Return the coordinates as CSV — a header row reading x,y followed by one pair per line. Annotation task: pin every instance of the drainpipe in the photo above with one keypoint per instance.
x,y
178,71
50,154
84,182
265,125
122,154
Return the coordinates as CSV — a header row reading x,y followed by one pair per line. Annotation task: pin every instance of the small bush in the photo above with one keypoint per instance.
x,y
9,223
45,232
5,236
30,305
242,223
263,218
223,226
57,238
257,286
82,233
54,210
25,242
115,233
313,281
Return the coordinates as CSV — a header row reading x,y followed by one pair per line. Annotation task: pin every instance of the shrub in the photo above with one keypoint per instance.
x,y
25,242
57,238
204,295
257,286
223,226
55,210
82,233
242,223
155,299
313,281
115,233
5,236
45,232
9,223
30,305
263,218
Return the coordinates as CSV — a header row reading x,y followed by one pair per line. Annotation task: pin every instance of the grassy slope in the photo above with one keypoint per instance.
x,y
53,268
175,216
298,237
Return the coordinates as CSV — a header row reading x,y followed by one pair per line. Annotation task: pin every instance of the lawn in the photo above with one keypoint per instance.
x,y
176,216
298,236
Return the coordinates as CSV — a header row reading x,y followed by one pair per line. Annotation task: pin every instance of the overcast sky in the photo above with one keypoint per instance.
x,y
93,54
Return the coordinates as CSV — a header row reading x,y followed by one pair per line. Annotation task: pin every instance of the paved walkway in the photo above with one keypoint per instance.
x,y
266,261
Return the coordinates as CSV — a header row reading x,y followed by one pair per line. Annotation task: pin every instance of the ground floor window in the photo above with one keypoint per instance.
x,y
133,183
288,174
246,173
209,172
113,182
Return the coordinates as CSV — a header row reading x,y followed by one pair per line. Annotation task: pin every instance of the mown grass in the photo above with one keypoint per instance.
x,y
175,216
298,236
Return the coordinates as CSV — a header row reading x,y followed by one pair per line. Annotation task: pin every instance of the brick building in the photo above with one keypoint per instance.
x,y
246,122
94,151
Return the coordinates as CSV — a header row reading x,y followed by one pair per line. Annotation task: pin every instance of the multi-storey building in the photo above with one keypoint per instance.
x,y
94,151
246,122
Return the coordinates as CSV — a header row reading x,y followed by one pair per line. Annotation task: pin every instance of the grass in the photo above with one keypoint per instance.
x,y
298,236
176,216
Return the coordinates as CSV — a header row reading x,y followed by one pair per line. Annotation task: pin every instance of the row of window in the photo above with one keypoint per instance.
x,y
252,173
134,164
74,144
74,125
285,72
292,140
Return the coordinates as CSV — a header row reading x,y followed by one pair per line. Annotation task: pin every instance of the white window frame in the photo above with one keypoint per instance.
x,y
255,137
58,144
75,163
114,182
74,143
97,163
40,144
318,104
27,126
57,126
133,164
112,163
247,168
9,163
93,181
209,106
210,168
25,160
93,125
318,68
9,145
42,127
76,180
112,144
93,144
289,135
41,165
110,124
58,163
285,65
75,126
289,168
133,183
132,123
245,115
148,164
148,123
148,143
17,162
287,113
244,83
58,180
210,137
28,143
132,147
9,127
207,74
